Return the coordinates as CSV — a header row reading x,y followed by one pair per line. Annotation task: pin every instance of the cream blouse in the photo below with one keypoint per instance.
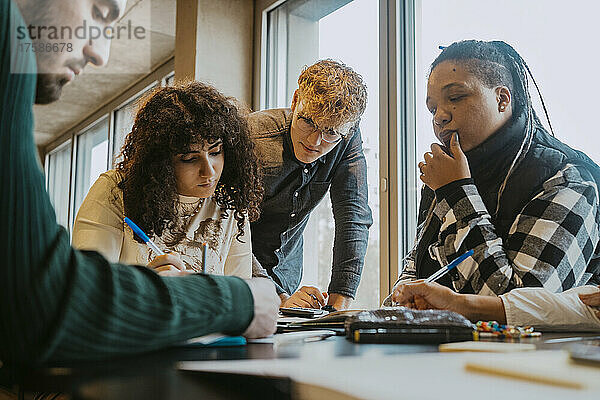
x,y
99,226
545,310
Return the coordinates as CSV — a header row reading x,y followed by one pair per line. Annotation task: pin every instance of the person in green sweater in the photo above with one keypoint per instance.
x,y
61,304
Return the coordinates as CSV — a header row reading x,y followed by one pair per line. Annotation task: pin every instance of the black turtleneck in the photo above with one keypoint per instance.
x,y
489,163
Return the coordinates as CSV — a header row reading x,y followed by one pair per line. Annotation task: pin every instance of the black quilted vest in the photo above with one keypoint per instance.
x,y
489,163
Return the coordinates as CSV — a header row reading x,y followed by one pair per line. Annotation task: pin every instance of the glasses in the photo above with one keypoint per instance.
x,y
307,126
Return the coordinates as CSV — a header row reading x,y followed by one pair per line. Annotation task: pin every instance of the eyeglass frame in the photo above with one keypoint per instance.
x,y
317,129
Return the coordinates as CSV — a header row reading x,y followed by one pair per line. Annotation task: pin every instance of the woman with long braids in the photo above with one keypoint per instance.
x,y
188,177
500,184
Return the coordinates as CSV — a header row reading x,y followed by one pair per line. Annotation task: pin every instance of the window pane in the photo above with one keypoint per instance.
x,y
170,80
559,59
92,159
59,176
346,31
124,118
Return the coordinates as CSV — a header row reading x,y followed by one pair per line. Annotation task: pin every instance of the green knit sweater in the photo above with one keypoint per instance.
x,y
60,304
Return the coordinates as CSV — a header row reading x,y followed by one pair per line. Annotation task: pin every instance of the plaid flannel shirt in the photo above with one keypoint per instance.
x,y
553,241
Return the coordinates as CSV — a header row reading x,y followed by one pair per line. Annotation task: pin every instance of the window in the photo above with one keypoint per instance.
x,y
59,172
124,118
170,79
299,33
91,160
558,58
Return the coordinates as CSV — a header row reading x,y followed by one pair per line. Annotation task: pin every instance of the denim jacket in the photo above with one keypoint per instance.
x,y
293,189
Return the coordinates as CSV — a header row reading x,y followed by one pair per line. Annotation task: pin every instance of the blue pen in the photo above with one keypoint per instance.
x,y
136,229
444,270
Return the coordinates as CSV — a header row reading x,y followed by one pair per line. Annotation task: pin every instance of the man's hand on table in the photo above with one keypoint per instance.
x,y
266,308
339,301
305,297
312,297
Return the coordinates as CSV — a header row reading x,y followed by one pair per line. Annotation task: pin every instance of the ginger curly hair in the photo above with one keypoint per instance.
x,y
167,123
333,92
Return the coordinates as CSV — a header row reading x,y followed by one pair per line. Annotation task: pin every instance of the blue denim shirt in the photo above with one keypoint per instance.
x,y
293,189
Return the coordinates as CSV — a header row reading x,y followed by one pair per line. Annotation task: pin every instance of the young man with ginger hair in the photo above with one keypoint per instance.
x,y
305,150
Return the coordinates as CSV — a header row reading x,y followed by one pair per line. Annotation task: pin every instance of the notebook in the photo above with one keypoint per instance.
x,y
333,321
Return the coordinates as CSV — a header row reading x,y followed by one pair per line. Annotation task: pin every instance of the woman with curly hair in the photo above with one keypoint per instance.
x,y
188,176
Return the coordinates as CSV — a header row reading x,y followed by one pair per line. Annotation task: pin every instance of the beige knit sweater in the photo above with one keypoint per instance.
x,y
99,226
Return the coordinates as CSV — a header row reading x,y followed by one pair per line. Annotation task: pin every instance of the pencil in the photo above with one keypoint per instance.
x,y
204,250
522,374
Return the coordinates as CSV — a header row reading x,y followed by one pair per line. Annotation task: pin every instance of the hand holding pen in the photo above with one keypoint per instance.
x,y
164,264
405,297
168,265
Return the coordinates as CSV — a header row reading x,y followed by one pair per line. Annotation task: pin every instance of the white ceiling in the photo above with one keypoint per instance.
x,y
128,62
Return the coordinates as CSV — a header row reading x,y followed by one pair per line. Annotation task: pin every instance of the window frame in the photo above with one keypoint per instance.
x,y
405,172
113,118
75,159
47,160
397,102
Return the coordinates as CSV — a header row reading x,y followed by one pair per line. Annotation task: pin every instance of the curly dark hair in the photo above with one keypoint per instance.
x,y
168,122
